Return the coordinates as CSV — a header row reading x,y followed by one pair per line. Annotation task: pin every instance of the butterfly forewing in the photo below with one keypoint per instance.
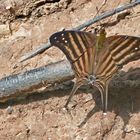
x,y
123,49
117,51
78,48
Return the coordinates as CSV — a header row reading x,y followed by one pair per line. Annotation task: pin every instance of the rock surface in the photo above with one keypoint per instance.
x,y
26,25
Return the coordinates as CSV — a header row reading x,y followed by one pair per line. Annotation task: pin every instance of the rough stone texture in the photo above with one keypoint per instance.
x,y
24,26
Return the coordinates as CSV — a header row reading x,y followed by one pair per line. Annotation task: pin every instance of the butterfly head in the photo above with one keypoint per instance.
x,y
99,30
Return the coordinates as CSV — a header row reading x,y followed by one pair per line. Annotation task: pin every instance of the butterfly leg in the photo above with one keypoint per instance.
x,y
77,84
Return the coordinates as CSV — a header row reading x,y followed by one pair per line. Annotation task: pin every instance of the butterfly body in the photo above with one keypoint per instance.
x,y
94,58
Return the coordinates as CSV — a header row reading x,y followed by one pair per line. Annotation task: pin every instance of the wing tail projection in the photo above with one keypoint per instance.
x,y
103,88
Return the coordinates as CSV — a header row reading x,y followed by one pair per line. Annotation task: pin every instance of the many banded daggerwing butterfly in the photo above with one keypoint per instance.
x,y
95,58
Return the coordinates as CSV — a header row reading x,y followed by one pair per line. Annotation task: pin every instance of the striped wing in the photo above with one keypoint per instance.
x,y
118,50
79,49
115,53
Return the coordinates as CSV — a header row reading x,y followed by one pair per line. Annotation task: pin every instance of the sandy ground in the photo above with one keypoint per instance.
x,y
26,25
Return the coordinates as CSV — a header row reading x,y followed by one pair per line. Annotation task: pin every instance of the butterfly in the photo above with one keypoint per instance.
x,y
95,58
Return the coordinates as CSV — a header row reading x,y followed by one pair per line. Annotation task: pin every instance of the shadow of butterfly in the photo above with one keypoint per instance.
x,y
96,58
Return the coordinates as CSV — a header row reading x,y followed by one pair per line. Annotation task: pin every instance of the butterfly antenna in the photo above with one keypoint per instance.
x,y
77,84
